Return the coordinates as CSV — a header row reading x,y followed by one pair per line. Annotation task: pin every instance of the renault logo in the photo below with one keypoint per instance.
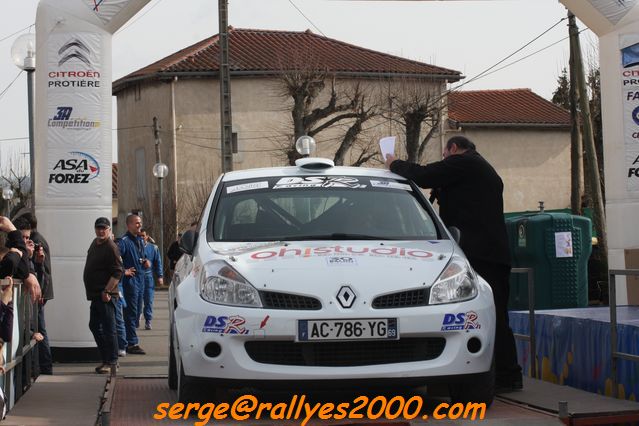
x,y
346,297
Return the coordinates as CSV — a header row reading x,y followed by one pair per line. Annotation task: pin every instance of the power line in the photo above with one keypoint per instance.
x,y
532,54
138,18
306,17
10,84
13,139
119,128
481,74
17,32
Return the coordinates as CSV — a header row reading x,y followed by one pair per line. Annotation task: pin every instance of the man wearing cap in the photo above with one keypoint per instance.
x,y
102,273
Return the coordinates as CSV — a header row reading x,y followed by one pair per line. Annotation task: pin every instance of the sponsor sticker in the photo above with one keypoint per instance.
x,y
73,61
246,187
74,167
390,185
341,261
319,182
461,321
338,251
63,118
225,325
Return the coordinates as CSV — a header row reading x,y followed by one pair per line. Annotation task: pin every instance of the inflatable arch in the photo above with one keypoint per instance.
x,y
73,136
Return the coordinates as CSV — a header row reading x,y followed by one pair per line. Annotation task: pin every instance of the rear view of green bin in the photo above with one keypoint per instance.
x,y
557,246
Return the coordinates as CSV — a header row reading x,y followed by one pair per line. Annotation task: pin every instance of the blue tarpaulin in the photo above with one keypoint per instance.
x,y
573,348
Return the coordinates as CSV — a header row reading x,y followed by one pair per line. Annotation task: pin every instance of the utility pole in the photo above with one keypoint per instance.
x,y
156,136
576,147
160,170
592,172
226,123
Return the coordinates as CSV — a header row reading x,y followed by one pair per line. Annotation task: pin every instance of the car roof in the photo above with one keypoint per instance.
x,y
299,171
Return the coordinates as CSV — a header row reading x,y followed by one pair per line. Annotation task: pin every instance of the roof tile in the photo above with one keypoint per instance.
x,y
275,51
500,107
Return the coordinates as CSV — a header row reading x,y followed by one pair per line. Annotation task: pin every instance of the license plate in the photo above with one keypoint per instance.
x,y
349,329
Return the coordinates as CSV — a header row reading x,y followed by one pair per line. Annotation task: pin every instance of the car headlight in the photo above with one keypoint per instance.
x,y
456,283
220,283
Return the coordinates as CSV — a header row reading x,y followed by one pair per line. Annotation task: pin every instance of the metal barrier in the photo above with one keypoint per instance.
x,y
614,354
21,369
530,337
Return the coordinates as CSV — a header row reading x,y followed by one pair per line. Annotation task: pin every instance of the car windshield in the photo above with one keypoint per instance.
x,y
320,208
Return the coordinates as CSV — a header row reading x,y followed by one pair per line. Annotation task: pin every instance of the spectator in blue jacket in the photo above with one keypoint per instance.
x,y
132,250
119,314
152,254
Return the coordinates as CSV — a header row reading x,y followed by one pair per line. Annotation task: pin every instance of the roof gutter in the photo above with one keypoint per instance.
x,y
464,125
125,82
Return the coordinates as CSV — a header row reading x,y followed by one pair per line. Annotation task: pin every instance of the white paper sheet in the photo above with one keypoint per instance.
x,y
387,146
563,244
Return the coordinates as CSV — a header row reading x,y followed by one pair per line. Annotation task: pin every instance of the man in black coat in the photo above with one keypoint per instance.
x,y
28,224
469,193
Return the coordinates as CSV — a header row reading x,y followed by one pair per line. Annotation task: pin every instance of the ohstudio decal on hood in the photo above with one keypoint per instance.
x,y
308,252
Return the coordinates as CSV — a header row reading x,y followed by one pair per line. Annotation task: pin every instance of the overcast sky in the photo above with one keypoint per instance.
x,y
468,36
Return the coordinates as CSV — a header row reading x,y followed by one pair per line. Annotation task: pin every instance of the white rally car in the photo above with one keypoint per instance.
x,y
322,275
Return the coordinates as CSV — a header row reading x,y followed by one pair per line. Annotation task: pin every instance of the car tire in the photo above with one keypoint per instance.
x,y
186,391
173,376
476,388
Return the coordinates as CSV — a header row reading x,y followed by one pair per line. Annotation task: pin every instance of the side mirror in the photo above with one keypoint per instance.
x,y
455,233
188,241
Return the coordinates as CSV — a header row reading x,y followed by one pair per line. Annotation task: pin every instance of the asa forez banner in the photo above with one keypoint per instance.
x,y
73,174
630,87
74,117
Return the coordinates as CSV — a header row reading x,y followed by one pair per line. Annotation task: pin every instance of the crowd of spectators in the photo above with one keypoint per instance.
x,y
121,295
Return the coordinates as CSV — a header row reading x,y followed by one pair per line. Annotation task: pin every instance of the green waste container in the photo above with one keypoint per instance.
x,y
557,247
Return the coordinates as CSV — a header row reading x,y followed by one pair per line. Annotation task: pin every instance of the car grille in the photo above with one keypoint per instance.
x,y
345,354
403,299
274,300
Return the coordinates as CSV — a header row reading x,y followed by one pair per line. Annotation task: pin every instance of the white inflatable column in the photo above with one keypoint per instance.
x,y
616,22
73,153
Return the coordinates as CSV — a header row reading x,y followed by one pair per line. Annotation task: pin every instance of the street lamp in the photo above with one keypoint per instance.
x,y
7,195
23,53
160,171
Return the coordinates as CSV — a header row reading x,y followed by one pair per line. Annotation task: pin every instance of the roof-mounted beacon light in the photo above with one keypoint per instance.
x,y
305,146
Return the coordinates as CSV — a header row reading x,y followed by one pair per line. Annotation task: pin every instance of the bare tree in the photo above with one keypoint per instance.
x,y
15,176
192,201
319,103
416,105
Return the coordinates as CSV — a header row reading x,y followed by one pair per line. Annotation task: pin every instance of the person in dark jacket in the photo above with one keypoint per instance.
x,y
13,263
41,261
102,273
7,257
470,196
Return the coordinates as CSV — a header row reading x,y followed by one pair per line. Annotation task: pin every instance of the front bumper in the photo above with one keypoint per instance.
x,y
211,340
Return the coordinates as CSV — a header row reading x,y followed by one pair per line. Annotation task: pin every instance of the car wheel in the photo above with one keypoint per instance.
x,y
186,391
173,376
478,388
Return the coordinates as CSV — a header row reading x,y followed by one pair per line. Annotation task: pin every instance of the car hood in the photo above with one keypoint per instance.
x,y
384,266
